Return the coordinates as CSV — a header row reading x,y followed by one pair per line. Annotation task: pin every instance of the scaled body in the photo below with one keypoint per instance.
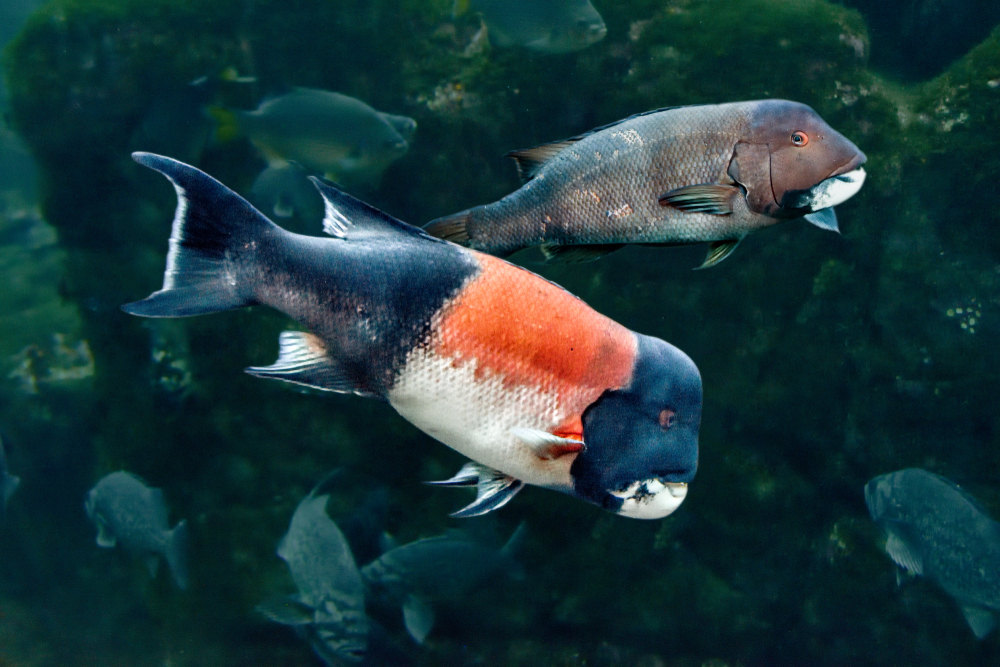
x,y
710,173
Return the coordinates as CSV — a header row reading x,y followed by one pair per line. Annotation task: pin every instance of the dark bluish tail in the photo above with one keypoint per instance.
x,y
212,223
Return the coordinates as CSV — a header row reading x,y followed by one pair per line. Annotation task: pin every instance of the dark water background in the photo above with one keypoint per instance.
x,y
826,359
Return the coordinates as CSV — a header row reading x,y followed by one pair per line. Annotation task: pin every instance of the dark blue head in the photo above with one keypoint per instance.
x,y
642,440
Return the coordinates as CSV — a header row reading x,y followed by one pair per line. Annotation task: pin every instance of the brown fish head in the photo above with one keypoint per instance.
x,y
786,153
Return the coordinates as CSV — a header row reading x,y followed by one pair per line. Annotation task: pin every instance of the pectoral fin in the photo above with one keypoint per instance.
x,y
303,359
546,445
105,538
494,489
707,198
418,617
900,552
981,620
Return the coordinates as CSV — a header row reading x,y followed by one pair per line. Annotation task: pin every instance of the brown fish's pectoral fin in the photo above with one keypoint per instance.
x,y
718,251
494,489
547,445
707,198
577,254
530,160
303,359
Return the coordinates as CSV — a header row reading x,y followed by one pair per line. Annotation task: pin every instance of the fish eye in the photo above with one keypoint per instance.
x,y
800,138
667,418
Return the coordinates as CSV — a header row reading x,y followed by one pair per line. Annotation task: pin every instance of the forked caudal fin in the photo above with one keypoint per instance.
x,y
211,222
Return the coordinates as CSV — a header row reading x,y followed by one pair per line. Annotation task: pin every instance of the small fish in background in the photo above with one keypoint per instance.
x,y
128,512
501,365
329,609
443,568
697,174
936,530
8,482
552,26
284,191
324,132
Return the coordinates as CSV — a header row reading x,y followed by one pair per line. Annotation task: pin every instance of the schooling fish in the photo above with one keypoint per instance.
x,y
936,530
445,567
553,26
128,512
499,364
692,174
329,610
325,132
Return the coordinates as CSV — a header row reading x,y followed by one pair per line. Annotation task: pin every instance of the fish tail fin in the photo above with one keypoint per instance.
x,y
210,225
176,554
454,228
227,123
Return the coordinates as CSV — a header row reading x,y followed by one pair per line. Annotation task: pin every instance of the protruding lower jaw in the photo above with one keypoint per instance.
x,y
836,189
651,498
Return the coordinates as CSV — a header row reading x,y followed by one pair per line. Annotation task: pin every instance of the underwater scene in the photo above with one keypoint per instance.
x,y
765,433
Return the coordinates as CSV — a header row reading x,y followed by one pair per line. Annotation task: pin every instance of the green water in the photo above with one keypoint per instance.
x,y
826,359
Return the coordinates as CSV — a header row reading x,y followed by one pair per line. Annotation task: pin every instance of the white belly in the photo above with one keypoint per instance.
x,y
475,415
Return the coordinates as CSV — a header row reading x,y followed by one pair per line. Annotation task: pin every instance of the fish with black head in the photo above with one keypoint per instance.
x,y
499,364
696,174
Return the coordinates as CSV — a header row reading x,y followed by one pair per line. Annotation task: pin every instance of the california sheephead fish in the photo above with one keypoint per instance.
x,y
329,610
501,365
128,512
554,26
325,132
936,530
444,567
697,174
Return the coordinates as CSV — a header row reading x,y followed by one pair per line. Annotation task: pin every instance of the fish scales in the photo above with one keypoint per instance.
x,y
712,173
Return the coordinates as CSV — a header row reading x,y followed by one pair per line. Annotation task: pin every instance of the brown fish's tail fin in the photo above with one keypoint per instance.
x,y
454,228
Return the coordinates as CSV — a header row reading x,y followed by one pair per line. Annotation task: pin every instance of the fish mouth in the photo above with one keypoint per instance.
x,y
829,192
651,498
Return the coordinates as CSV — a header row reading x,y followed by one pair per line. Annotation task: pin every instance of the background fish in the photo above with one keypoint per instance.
x,y
8,482
128,512
936,530
445,567
493,361
693,174
555,26
329,610
326,133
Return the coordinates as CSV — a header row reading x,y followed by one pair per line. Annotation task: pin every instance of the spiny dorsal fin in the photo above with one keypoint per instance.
x,y
303,359
345,215
530,160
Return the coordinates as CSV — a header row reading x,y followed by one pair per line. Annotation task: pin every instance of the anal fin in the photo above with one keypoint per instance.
x,y
303,359
494,489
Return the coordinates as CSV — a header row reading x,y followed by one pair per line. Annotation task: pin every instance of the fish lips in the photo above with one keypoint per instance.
x,y
835,189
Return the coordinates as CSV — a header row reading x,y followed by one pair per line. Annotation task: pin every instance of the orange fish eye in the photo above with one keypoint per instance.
x,y
667,418
800,138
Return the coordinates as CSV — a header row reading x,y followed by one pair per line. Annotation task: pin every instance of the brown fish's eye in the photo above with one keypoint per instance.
x,y
800,138
667,418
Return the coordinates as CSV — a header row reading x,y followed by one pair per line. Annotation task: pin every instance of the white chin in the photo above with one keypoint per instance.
x,y
837,189
651,499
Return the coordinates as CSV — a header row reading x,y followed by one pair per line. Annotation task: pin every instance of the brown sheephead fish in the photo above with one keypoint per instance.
x,y
696,174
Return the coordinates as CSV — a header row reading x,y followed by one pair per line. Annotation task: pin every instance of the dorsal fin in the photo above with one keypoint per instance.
x,y
530,160
345,215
